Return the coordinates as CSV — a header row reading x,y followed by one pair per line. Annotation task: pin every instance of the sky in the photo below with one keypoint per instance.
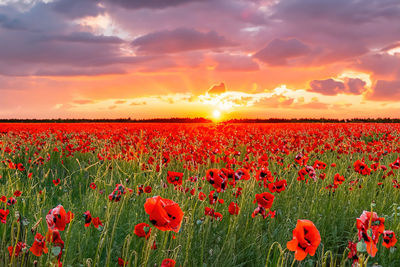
x,y
199,58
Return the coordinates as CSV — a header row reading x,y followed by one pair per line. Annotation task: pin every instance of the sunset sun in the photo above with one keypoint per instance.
x,y
216,114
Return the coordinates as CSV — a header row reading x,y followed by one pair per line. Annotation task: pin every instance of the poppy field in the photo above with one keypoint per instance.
x,y
116,194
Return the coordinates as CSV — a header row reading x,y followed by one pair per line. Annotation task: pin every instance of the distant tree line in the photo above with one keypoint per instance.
x,y
204,120
119,120
319,120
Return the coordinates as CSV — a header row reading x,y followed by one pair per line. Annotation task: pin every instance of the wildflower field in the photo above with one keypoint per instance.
x,y
199,194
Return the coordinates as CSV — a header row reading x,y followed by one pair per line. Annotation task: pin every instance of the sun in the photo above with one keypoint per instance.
x,y
216,114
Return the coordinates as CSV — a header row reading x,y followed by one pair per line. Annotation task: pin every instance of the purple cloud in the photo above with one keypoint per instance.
x,y
386,91
353,86
179,40
280,52
151,4
327,87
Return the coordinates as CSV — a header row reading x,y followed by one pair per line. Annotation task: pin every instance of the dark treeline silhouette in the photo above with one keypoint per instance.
x,y
314,120
119,120
203,120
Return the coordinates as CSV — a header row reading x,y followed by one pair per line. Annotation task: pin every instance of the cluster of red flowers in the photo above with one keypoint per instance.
x,y
56,219
255,156
370,227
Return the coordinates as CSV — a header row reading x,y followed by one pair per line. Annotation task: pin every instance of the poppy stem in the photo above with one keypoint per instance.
x,y
294,260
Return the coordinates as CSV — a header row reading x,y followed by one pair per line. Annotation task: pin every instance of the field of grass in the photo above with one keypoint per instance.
x,y
91,159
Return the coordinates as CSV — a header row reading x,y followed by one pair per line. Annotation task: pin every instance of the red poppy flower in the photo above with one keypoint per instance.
x,y
242,174
117,193
3,215
11,201
20,167
319,165
213,197
302,173
361,168
3,199
301,159
168,263
306,239
39,245
56,219
233,208
18,248
142,230
238,192
147,189
353,252
263,212
140,189
165,158
164,214
17,193
88,218
395,164
54,237
230,174
264,174
69,217
212,213
121,262
175,178
202,196
56,181
92,186
217,179
265,200
375,166
278,186
96,222
389,239
338,179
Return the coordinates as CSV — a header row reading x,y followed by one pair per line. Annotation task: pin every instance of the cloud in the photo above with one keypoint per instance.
x,y
379,64
280,52
119,102
385,91
77,8
83,101
10,24
327,87
39,41
151,4
179,40
138,103
355,86
332,87
217,89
